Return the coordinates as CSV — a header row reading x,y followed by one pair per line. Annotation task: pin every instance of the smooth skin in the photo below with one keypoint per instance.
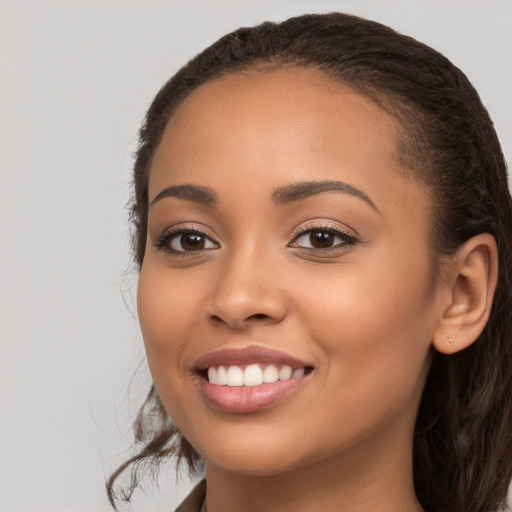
x,y
365,312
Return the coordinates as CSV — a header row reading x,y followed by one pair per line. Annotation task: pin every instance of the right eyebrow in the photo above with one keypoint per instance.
x,y
305,189
195,193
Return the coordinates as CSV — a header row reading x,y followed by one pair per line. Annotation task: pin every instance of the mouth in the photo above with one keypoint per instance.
x,y
254,374
251,379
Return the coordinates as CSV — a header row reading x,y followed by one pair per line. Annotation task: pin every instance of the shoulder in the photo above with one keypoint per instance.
x,y
194,501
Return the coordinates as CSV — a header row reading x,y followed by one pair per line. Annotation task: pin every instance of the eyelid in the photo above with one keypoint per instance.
x,y
349,238
161,243
322,225
167,235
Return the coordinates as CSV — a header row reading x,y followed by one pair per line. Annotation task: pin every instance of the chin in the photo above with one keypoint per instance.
x,y
261,464
250,454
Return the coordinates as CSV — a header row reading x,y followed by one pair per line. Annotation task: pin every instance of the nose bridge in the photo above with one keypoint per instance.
x,y
246,290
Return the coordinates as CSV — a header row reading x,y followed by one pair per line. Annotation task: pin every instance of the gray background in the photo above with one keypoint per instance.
x,y
75,80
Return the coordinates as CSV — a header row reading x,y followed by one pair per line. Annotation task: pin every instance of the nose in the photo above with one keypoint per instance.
x,y
246,293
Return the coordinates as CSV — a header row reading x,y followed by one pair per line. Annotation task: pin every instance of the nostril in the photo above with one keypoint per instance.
x,y
238,324
258,316
217,319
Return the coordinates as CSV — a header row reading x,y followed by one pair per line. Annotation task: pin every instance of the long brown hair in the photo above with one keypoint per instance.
x,y
463,438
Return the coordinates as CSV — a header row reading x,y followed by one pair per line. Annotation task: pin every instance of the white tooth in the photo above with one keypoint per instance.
x,y
253,376
222,378
270,374
212,375
235,376
299,372
285,373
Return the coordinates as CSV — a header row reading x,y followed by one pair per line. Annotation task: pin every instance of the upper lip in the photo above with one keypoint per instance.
x,y
248,355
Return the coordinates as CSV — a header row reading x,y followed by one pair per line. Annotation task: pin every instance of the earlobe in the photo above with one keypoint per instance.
x,y
468,290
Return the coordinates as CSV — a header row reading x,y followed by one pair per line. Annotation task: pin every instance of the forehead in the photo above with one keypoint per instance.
x,y
270,128
291,103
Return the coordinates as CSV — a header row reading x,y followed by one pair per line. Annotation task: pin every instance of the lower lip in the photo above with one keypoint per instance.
x,y
245,399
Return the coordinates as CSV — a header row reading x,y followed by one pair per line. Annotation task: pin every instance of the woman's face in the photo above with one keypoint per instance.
x,y
284,238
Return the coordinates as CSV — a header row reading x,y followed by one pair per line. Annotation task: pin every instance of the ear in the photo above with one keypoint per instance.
x,y
468,286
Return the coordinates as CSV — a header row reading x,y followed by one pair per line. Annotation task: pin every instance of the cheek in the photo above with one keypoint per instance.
x,y
374,327
382,294
166,314
167,311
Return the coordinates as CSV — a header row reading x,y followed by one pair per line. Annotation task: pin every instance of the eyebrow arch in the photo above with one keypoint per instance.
x,y
195,193
305,189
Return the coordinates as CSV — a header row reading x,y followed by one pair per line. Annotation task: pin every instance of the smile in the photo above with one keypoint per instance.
x,y
252,374
250,379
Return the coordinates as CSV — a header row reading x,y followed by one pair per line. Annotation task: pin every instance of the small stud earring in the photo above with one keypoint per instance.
x,y
450,341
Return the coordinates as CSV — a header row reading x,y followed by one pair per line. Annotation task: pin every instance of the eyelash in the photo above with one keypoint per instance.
x,y
346,239
165,240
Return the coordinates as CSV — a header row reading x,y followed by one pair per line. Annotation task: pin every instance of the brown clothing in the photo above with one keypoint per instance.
x,y
195,500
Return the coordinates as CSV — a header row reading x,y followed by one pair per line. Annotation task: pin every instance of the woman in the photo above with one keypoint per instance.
x,y
321,209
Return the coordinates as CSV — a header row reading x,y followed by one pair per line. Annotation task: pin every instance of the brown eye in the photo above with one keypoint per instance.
x,y
190,241
321,239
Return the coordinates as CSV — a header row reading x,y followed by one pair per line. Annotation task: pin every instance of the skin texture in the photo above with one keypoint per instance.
x,y
363,314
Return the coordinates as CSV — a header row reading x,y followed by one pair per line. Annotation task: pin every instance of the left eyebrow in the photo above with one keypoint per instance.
x,y
305,189
195,193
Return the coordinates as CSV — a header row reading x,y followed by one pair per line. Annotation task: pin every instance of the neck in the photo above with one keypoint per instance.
x,y
375,475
